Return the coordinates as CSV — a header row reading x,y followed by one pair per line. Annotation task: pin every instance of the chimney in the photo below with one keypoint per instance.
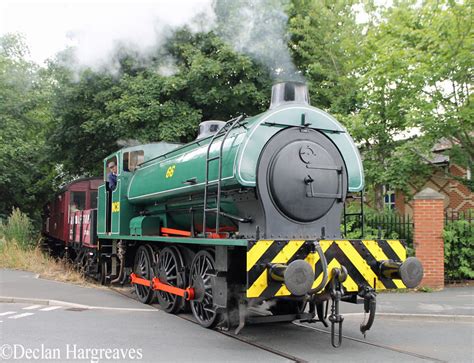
x,y
289,92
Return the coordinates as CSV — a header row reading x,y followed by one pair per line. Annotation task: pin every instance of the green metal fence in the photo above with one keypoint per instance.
x,y
392,226
451,216
383,226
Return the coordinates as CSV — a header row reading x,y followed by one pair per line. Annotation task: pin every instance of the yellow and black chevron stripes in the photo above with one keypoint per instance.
x,y
358,256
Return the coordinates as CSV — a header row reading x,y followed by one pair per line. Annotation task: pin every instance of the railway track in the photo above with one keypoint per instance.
x,y
246,340
282,354
188,317
382,346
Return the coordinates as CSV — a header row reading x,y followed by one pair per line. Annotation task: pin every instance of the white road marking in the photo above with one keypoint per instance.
x,y
19,316
32,307
49,308
7,313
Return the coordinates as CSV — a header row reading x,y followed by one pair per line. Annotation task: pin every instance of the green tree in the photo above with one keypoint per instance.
x,y
436,41
219,81
414,74
83,133
25,96
97,111
326,44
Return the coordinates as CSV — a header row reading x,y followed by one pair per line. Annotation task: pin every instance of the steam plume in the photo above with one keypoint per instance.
x,y
99,30
258,28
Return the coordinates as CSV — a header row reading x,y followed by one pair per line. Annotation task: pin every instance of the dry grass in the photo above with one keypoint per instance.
x,y
12,256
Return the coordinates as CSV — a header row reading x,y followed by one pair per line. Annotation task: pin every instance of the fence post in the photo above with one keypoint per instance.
x,y
428,218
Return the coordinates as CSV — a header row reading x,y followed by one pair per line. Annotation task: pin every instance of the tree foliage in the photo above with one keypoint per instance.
x,y
414,74
25,178
399,82
437,40
458,249
326,45
98,110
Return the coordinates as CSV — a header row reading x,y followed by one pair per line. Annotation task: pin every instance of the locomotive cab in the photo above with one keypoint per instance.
x,y
114,210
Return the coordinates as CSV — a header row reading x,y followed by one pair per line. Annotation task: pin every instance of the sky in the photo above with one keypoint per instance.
x,y
94,26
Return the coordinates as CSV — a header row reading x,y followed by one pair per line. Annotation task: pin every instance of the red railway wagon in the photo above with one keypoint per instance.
x,y
79,195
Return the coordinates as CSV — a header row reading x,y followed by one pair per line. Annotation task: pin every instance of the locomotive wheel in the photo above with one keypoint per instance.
x,y
103,272
143,267
170,271
203,304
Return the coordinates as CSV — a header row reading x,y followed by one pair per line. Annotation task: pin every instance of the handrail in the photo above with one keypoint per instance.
x,y
228,127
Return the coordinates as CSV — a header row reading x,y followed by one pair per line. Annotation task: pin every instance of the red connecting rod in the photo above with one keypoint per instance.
x,y
157,285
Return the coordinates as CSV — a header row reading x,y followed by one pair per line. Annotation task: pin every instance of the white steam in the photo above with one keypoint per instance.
x,y
96,29
139,27
258,28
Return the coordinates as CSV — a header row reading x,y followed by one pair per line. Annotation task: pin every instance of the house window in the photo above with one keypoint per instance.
x,y
388,197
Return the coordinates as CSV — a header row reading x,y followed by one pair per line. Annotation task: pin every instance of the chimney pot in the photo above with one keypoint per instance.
x,y
289,92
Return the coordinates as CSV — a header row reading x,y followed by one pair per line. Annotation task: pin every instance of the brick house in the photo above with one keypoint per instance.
x,y
458,197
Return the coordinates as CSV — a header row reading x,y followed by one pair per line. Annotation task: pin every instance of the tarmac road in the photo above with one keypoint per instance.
x,y
118,322
154,336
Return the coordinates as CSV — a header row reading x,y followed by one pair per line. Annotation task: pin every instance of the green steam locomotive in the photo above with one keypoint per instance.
x,y
245,217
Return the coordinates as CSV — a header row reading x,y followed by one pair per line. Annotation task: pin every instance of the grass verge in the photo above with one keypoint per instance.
x,y
19,250
13,256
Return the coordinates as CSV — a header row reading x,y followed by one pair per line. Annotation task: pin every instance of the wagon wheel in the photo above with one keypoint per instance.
x,y
202,306
143,267
80,261
170,271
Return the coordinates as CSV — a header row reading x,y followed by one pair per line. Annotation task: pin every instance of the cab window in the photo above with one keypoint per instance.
x,y
125,163
107,163
136,158
112,170
132,160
